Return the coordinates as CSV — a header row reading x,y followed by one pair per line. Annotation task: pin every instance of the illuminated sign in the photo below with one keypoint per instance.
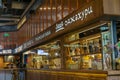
x,y
9,51
6,34
79,16
59,26
104,28
6,51
40,37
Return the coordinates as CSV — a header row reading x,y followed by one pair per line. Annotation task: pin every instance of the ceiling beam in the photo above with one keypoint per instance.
x,y
8,23
28,7
9,19
7,28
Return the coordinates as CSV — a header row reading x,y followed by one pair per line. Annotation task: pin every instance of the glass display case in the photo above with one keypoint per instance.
x,y
45,57
84,51
11,61
117,45
107,50
87,51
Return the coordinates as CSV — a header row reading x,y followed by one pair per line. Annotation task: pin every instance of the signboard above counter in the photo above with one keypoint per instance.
x,y
83,15
31,42
6,51
86,15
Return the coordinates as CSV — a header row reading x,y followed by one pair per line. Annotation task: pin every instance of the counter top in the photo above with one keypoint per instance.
x,y
77,71
114,72
109,73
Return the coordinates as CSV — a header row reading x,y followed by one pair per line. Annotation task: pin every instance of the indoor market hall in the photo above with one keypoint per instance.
x,y
59,39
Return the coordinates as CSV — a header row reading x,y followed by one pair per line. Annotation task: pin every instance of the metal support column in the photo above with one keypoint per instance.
x,y
113,40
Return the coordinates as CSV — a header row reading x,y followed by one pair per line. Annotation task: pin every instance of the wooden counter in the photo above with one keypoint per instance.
x,y
65,75
37,74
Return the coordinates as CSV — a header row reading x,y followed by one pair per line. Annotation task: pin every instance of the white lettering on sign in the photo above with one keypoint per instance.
x,y
16,50
25,45
29,43
9,51
43,35
20,48
59,27
79,16
0,52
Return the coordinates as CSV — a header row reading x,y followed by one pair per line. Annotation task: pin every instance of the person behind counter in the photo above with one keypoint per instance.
x,y
34,62
45,65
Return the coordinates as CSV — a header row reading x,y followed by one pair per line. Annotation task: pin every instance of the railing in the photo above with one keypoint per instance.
x,y
12,74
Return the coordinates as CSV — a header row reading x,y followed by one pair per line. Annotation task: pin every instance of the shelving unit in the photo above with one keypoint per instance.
x,y
84,51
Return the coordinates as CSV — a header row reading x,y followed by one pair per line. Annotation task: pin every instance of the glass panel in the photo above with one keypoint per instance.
x,y
84,50
107,47
117,45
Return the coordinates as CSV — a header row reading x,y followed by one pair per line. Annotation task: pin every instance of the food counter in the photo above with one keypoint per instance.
x,y
37,74
86,46
72,75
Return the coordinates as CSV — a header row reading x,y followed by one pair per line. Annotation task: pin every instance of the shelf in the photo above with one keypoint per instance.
x,y
91,37
86,54
49,57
